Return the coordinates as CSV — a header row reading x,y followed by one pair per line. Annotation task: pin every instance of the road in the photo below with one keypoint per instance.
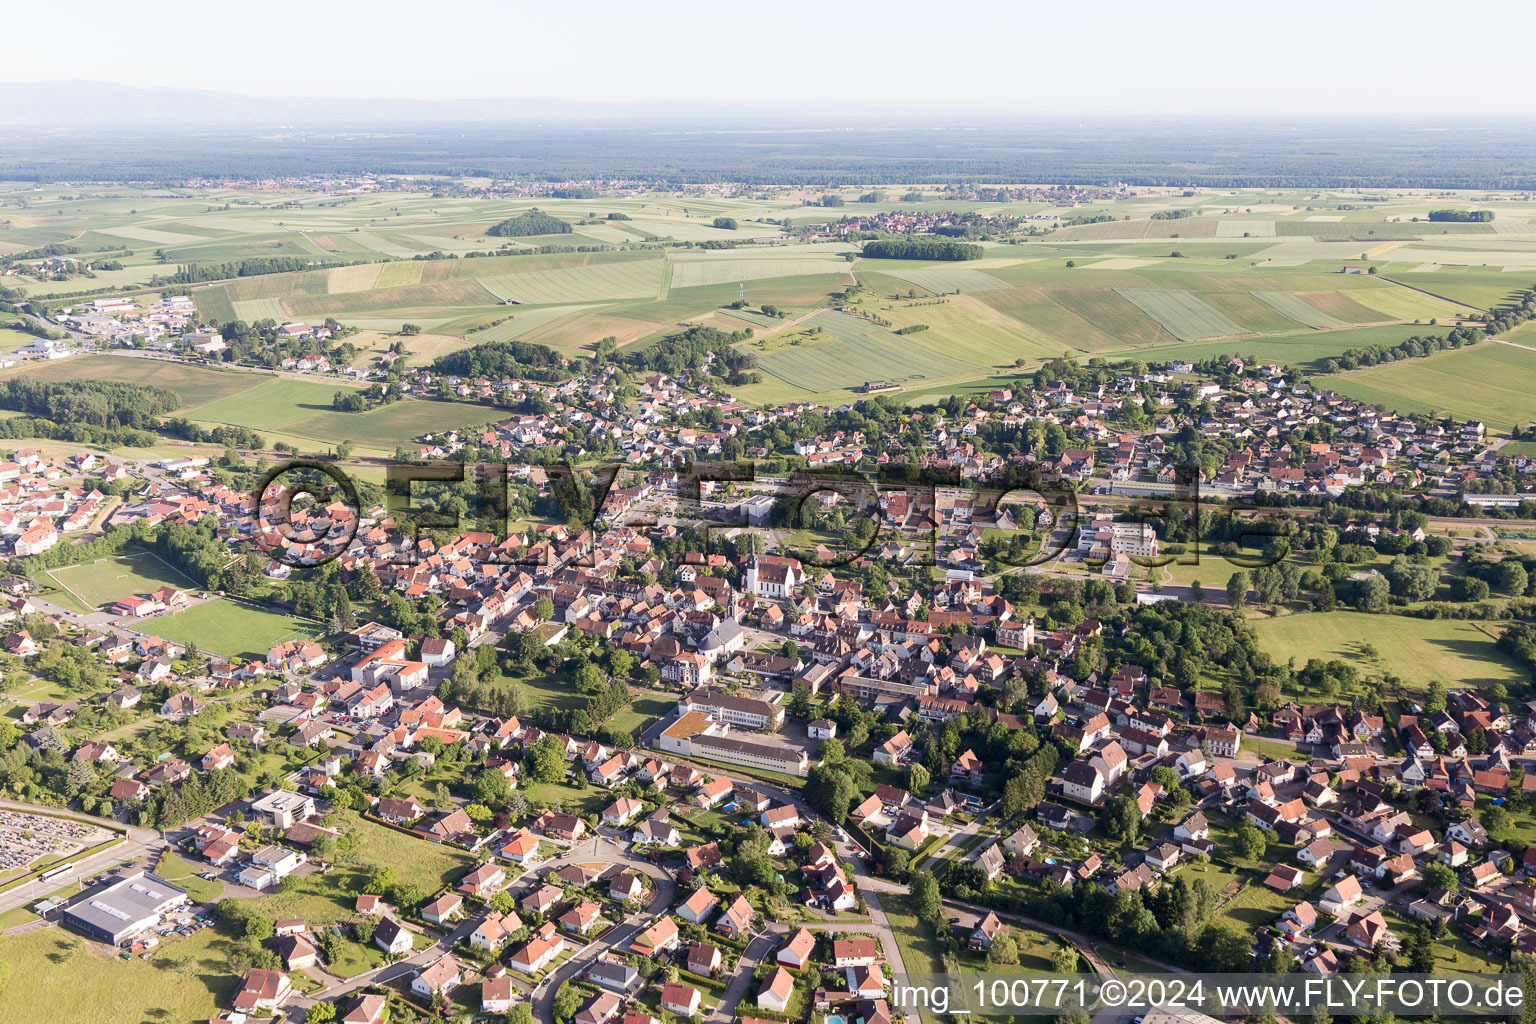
x,y
605,850
957,839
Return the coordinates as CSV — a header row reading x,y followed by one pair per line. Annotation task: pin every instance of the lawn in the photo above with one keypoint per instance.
x,y
647,707
183,874
98,584
232,630
1458,653
920,953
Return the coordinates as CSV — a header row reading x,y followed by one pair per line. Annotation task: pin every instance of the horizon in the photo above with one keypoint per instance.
x,y
807,114
1131,61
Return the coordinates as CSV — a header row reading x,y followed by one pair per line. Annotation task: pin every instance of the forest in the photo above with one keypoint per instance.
x,y
534,222
921,249
100,403
1353,152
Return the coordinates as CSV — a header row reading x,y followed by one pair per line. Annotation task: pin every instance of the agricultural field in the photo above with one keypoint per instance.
x,y
858,351
279,408
94,585
52,976
1491,382
194,385
693,273
1456,652
1185,316
1294,307
943,277
1257,265
232,630
56,977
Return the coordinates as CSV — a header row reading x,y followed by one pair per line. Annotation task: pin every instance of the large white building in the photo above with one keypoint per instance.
x,y
1104,537
123,909
746,712
695,734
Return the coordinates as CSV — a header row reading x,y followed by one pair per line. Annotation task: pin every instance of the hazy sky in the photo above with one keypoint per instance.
x,y
1111,57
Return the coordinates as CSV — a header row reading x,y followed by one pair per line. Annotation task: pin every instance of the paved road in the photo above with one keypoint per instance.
x,y
605,850
956,839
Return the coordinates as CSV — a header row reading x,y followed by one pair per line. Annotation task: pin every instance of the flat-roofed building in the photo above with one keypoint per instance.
x,y
120,910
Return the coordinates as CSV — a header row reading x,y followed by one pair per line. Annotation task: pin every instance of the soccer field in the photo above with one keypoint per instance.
x,y
98,584
232,630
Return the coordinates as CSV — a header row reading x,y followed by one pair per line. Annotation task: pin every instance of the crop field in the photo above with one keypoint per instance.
x,y
1490,382
1196,227
1293,307
949,277
1185,316
260,309
277,402
194,384
1246,309
1476,286
631,279
281,408
578,332
100,583
692,273
1245,229
1304,348
1456,652
860,351
232,630
1253,267
968,328
524,320
1094,319
751,318
301,408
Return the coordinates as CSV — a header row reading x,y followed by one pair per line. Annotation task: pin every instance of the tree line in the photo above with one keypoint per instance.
x,y
921,249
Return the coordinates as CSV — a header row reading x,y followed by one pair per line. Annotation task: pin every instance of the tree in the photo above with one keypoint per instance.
x,y
492,787
927,904
543,609
1439,876
917,778
1237,589
567,1003
522,1013
1372,594
1004,950
546,761
1064,960
1513,579
831,790
383,882
1251,842
320,1013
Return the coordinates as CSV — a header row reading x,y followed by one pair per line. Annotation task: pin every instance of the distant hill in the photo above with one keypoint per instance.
x,y
82,102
